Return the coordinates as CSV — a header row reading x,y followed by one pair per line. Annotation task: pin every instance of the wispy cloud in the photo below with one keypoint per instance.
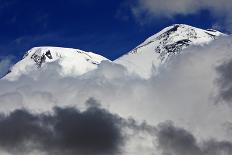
x,y
147,9
5,64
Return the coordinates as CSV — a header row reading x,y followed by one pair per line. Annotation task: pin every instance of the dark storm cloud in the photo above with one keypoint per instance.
x,y
66,132
217,148
178,141
224,81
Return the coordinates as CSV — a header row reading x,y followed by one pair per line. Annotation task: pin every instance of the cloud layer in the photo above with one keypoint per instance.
x,y
170,8
175,141
190,91
66,132
224,81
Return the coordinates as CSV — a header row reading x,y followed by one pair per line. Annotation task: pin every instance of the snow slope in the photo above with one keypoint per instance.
x,y
71,62
142,60
156,50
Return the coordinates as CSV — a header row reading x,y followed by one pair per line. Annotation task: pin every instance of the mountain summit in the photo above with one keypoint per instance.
x,y
70,62
142,60
158,48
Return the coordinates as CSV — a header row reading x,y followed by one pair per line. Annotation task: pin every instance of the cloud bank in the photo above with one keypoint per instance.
x,y
175,141
192,91
66,132
224,81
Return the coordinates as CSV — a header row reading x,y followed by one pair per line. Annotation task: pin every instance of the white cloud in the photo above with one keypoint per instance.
x,y
184,93
5,65
221,10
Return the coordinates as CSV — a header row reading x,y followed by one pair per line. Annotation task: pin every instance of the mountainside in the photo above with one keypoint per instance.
x,y
143,60
156,50
71,62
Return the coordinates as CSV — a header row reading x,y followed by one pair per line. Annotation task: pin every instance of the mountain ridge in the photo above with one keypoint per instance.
x,y
72,62
158,48
141,60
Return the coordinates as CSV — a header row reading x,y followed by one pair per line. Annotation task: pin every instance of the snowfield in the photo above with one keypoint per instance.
x,y
70,62
146,58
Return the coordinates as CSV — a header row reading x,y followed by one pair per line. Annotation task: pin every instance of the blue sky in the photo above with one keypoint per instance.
x,y
106,27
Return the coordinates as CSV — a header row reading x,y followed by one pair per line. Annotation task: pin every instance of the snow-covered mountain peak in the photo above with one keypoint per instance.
x,y
72,62
143,60
176,37
158,48
43,55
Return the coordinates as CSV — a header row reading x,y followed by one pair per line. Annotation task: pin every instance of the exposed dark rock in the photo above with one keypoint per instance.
x,y
213,36
212,30
48,54
39,60
177,46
